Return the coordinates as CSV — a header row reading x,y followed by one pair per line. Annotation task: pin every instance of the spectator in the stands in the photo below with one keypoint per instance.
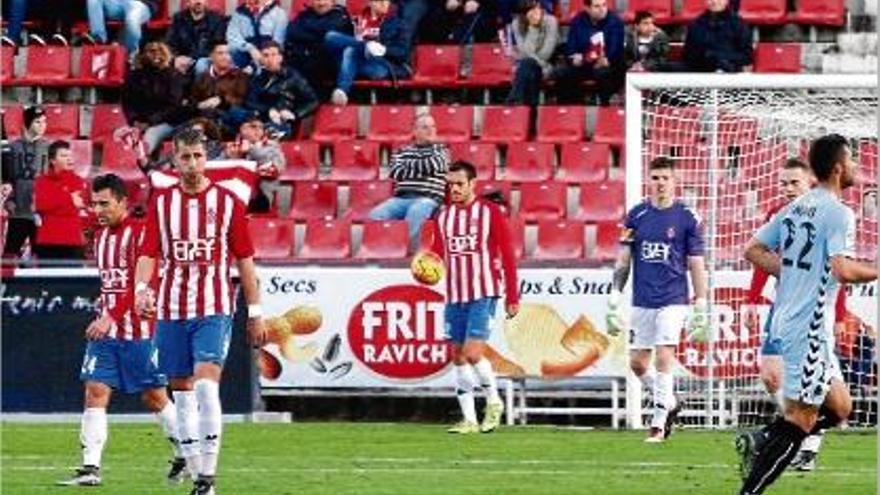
x,y
379,49
54,20
133,13
647,46
536,34
61,200
304,46
254,143
252,24
419,174
593,52
463,21
718,40
280,94
27,159
153,95
192,34
221,89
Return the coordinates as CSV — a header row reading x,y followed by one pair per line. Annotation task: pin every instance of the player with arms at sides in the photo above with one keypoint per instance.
x,y
795,179
663,240
193,230
119,353
809,246
473,239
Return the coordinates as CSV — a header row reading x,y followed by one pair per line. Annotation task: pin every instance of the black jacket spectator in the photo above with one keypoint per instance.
x,y
393,35
283,90
153,95
195,38
304,41
718,41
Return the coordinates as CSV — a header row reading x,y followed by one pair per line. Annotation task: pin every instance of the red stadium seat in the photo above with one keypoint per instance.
x,y
607,241
272,237
120,161
355,160
47,66
778,57
482,155
215,5
561,124
488,186
391,124
517,228
384,239
13,120
313,199
559,240
609,126
584,162
529,162
867,162
763,12
436,65
489,66
356,7
298,6
334,123
326,239
81,152
363,196
542,201
690,10
63,121
455,123
601,202
303,159
101,65
106,118
661,10
7,64
504,124
820,12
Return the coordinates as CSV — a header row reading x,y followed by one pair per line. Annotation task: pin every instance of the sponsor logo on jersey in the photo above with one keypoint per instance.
x,y
655,252
113,279
193,251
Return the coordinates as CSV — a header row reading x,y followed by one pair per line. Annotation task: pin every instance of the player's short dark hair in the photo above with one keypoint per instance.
x,y
661,162
271,44
188,137
112,182
825,152
467,167
793,163
55,146
642,15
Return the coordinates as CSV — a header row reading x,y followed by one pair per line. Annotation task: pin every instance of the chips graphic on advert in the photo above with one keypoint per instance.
x,y
277,330
282,331
502,365
304,320
297,354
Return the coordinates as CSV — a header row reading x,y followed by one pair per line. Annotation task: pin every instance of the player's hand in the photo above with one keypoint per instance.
x,y
698,322
614,317
256,331
512,309
99,328
145,303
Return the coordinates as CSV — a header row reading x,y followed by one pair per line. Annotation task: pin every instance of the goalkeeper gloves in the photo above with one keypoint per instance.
x,y
698,322
614,318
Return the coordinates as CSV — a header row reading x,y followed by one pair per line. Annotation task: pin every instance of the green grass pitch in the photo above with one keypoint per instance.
x,y
371,458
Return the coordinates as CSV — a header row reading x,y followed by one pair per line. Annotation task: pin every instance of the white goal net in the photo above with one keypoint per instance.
x,y
729,137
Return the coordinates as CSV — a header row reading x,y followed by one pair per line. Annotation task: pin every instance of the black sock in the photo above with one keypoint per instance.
x,y
782,445
825,421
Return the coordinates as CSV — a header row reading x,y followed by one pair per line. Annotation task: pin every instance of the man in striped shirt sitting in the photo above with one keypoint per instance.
x,y
419,173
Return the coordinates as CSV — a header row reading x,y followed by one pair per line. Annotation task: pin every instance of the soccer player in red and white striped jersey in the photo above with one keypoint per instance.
x,y
119,354
193,230
473,238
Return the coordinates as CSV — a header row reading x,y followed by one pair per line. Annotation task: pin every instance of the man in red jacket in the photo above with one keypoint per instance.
x,y
61,200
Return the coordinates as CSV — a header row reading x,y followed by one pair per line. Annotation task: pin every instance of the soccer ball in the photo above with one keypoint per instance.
x,y
427,267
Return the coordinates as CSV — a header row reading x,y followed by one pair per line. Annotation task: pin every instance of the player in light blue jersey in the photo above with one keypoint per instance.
x,y
663,241
809,246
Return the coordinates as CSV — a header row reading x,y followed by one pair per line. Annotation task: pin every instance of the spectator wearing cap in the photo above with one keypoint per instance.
x,y
280,94
222,88
133,13
192,34
304,44
153,95
536,34
61,199
251,25
253,143
718,40
646,46
28,158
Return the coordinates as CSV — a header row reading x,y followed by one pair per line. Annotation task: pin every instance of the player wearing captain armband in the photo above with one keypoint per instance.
x,y
663,240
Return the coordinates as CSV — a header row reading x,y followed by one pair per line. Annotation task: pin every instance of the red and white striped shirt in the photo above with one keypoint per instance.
x,y
116,250
475,243
196,236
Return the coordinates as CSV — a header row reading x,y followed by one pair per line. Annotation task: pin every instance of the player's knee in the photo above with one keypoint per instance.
x,y
638,367
97,395
771,382
180,383
154,399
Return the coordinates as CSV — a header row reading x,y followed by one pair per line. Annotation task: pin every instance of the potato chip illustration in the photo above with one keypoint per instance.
x,y
278,330
297,354
502,365
304,320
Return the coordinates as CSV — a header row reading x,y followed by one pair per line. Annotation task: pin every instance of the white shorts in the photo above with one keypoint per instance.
x,y
651,327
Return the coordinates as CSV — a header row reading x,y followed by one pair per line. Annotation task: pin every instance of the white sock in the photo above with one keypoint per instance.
x,y
487,379
93,435
664,398
168,420
812,443
647,380
210,423
464,391
188,427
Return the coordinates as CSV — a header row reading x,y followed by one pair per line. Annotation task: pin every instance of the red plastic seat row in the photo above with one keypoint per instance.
x,y
273,238
62,120
99,65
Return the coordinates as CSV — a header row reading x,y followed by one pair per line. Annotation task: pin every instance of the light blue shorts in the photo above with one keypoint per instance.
x,y
183,343
471,320
809,366
128,366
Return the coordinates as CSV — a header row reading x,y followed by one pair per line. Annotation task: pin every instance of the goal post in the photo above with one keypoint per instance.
x,y
729,135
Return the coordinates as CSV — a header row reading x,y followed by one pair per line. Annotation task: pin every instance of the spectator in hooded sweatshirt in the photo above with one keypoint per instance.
x,y
536,34
61,199
593,52
27,159
193,33
133,13
304,46
252,24
718,40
